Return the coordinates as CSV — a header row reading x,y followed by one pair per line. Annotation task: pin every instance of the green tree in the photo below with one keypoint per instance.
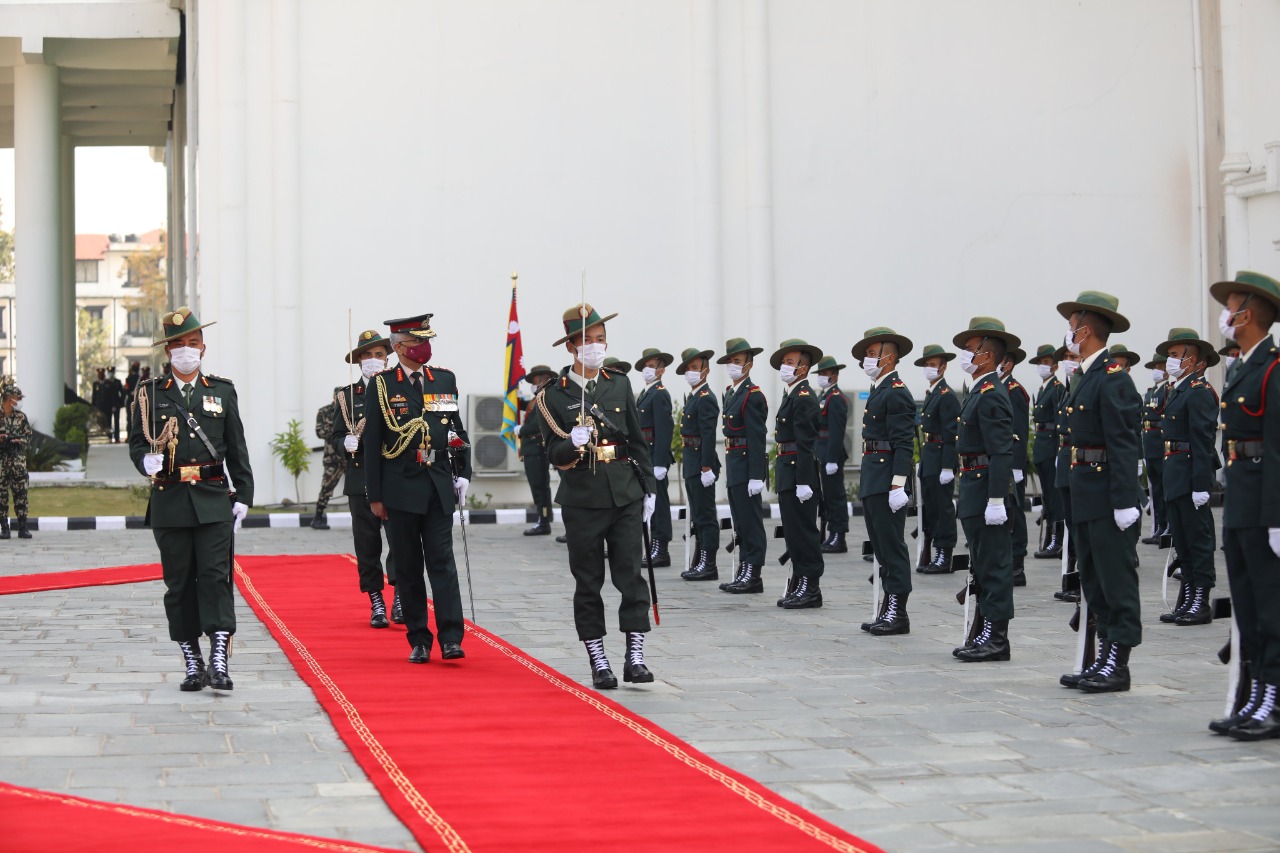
x,y
293,453
94,350
6,251
145,270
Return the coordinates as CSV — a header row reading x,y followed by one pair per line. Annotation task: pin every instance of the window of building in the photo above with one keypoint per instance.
x,y
1,364
3,333
142,322
94,312
86,272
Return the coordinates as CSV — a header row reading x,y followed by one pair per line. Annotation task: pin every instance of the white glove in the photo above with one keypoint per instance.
x,y
1142,467
152,462
351,443
580,435
238,512
898,498
945,476
755,487
803,493
659,472
1199,498
1126,517
707,477
460,489
996,514
1017,476
1273,539
832,468
650,503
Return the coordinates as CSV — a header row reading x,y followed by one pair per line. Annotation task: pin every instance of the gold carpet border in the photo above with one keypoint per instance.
x,y
753,797
180,820
452,840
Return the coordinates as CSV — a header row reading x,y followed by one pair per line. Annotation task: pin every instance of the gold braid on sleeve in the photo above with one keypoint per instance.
x,y
168,437
551,422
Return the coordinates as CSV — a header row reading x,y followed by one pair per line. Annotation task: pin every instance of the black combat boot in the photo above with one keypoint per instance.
x,y
542,528
397,614
805,594
1198,611
1019,572
940,564
1113,675
634,669
1072,679
748,582
979,633
4,526
660,556
925,557
893,617
1265,722
835,544
23,532
991,645
197,677
699,559
704,569
1180,607
320,521
602,677
1052,549
218,659
1222,726
377,611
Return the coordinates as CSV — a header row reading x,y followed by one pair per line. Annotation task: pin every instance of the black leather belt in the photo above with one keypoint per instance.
x,y
877,447
735,444
1064,442
1245,449
1172,447
788,448
1088,455
647,433
974,461
933,438
192,474
691,441
611,453
1046,427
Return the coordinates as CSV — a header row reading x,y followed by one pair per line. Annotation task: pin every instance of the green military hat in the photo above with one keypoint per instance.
x,y
654,352
578,319
1122,351
1096,302
987,327
881,334
934,351
828,362
617,365
367,340
1156,362
1018,354
419,326
1189,337
736,346
538,370
795,345
690,353
1248,282
1045,351
178,323
1225,352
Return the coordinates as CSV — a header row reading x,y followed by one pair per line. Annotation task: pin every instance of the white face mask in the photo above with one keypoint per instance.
x,y
591,356
1045,370
822,382
735,371
931,374
1157,375
1069,340
1228,361
184,360
693,377
17,405
650,374
1070,367
1174,366
788,373
871,367
1224,324
966,362
371,367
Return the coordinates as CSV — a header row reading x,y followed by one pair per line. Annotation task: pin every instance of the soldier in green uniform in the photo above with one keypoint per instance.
x,y
1102,409
606,491
185,434
1153,403
833,420
1189,427
1044,449
939,425
796,473
537,470
888,444
746,459
1070,362
988,454
617,365
1251,511
345,434
1020,400
701,462
1230,358
15,435
333,463
657,424
417,463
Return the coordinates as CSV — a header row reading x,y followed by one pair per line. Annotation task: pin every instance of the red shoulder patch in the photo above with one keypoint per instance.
x,y
1114,367
898,383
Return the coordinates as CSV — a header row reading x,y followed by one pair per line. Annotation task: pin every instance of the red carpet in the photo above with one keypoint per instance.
x,y
499,752
43,822
79,578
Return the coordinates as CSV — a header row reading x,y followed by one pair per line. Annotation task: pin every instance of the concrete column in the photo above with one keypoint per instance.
x,y
37,143
1235,159
287,222
759,174
709,296
67,249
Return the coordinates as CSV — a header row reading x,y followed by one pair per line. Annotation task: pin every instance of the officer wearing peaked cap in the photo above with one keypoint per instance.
x,y
1020,402
537,470
699,427
939,425
833,420
657,425
744,412
796,473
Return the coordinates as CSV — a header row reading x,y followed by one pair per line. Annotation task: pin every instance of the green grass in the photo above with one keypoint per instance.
x,y
86,501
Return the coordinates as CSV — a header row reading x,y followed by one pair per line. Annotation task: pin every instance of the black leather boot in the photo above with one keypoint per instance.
x,y
893,618
634,669
320,521
1198,611
197,677
602,677
1265,721
659,556
738,576
1052,549
805,594
1180,605
704,569
991,645
563,539
542,528
378,611
4,526
1073,679
748,582
1019,572
940,564
219,656
925,557
1225,724
835,544
23,532
699,557
1113,675
397,613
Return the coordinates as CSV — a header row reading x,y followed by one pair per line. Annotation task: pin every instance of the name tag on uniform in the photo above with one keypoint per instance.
x,y
213,405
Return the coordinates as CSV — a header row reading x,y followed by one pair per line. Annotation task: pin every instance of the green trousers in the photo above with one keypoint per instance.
x,y
991,561
1107,559
196,564
886,529
1194,538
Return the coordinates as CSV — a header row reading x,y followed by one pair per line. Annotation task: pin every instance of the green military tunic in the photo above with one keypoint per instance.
x,y
1020,403
1044,450
888,439
939,425
833,420
744,412
1153,404
366,528
986,449
795,431
537,469
657,424
1189,426
698,433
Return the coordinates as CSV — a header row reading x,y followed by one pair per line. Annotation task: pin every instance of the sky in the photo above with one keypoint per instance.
x,y
118,191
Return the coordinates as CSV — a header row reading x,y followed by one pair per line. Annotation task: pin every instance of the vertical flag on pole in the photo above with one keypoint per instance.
x,y
515,372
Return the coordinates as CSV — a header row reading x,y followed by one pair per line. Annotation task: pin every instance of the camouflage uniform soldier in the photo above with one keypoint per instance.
x,y
15,432
335,462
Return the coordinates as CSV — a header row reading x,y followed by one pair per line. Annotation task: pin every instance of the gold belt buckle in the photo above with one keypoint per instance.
x,y
189,473
607,453
1073,456
1168,446
727,446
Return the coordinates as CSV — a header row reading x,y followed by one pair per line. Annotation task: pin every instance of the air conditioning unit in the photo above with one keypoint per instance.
x,y
489,453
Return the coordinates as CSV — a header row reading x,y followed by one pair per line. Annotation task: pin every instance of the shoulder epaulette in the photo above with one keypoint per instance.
x,y
986,386
803,392
217,377
756,389
1013,383
945,390
1114,367
704,392
898,383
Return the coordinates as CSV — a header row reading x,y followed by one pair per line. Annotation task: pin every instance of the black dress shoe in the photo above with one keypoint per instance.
x,y
562,539
420,654
451,651
1020,578
542,528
